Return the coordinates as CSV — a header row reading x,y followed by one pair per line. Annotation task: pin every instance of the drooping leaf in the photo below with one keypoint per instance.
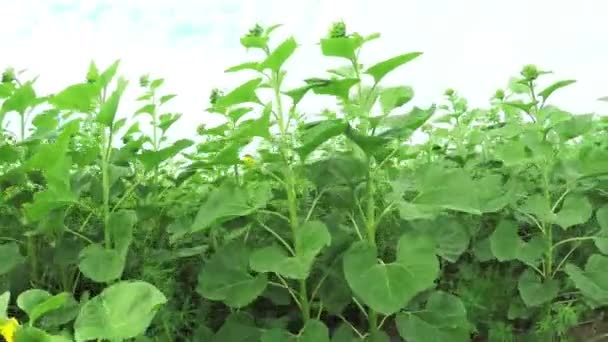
x,y
79,97
226,277
379,70
443,319
393,97
120,226
545,93
388,287
344,47
121,311
339,88
534,291
244,66
318,134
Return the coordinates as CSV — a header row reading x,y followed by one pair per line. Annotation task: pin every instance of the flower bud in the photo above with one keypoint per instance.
x,y
255,31
449,92
216,94
8,75
338,30
144,81
530,72
500,94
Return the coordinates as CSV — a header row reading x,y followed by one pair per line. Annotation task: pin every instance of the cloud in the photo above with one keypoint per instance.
x,y
472,46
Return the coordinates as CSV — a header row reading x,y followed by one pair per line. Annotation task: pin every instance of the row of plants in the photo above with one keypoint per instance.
x,y
372,220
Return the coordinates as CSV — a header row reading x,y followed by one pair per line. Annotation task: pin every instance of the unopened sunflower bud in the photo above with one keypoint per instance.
x,y
216,94
449,92
255,31
144,81
200,130
500,94
530,72
8,75
338,30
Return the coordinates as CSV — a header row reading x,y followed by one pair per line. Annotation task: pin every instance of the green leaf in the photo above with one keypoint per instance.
x,y
242,94
108,109
254,127
575,210
4,301
452,239
593,281
533,291
403,126
601,216
254,42
51,304
225,277
443,319
100,264
538,206
297,94
316,135
379,70
545,93
79,97
122,311
151,159
224,203
31,334
10,256
29,299
244,66
314,331
238,327
340,47
275,60
21,99
310,238
339,88
438,186
504,241
120,226
106,77
393,97
388,287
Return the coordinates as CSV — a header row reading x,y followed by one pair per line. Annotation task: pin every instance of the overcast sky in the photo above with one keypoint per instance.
x,y
473,46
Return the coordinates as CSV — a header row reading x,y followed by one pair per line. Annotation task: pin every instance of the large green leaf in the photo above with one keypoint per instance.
x,y
242,94
379,70
238,327
575,210
321,132
311,238
122,311
101,264
21,99
388,287
452,238
505,241
120,226
31,334
151,159
275,60
223,203
437,187
443,319
534,291
593,281
225,277
393,97
10,256
78,97
344,47
601,242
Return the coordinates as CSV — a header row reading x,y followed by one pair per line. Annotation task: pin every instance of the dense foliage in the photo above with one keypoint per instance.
x,y
373,220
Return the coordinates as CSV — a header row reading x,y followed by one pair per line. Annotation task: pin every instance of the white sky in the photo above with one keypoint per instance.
x,y
473,46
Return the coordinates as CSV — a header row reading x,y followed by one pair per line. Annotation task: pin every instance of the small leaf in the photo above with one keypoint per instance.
x,y
275,60
339,88
151,159
244,66
545,93
391,98
379,70
340,47
534,292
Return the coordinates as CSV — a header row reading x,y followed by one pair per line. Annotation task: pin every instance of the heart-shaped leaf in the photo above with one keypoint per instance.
x,y
533,291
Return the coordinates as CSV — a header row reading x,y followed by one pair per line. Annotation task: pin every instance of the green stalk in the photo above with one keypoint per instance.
x,y
291,192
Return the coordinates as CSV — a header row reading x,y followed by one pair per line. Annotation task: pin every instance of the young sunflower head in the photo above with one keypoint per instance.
x,y
248,160
255,31
8,327
530,72
8,75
